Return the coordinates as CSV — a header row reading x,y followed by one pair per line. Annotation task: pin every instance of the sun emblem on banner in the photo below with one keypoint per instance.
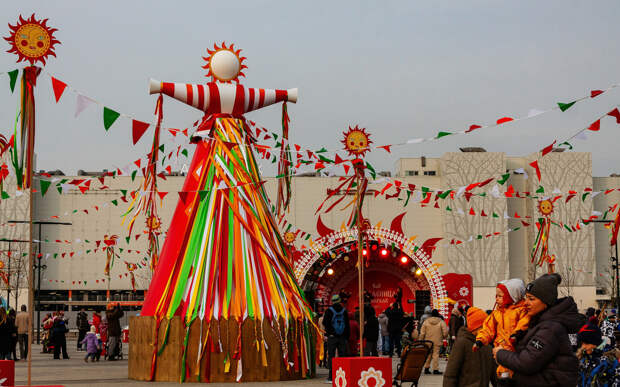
x,y
224,64
153,223
369,374
1,265
32,40
545,207
341,379
289,237
356,141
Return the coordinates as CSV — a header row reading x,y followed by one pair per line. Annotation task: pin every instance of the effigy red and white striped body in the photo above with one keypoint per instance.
x,y
216,97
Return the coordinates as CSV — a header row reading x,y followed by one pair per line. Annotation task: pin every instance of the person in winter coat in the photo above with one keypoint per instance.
x,y
466,368
425,315
11,318
543,356
595,367
59,330
434,329
395,325
83,326
5,335
113,315
97,321
336,322
371,331
456,322
385,334
506,322
354,335
90,339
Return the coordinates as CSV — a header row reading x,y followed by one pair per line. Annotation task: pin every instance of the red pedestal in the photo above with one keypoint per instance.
x,y
7,373
362,371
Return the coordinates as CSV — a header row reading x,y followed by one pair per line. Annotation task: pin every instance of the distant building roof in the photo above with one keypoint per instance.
x,y
469,149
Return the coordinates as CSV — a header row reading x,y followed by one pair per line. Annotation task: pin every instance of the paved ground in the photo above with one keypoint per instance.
x,y
74,372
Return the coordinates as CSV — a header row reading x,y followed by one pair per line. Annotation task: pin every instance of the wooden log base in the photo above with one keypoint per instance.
x,y
169,366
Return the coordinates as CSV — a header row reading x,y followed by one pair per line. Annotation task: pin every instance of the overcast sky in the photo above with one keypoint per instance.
x,y
402,69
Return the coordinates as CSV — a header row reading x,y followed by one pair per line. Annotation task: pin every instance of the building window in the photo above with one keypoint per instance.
x,y
411,173
430,173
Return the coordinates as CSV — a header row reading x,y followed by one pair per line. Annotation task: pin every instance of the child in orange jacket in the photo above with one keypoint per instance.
x,y
508,320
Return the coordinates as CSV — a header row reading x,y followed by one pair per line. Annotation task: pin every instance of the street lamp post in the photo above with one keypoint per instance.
x,y
38,266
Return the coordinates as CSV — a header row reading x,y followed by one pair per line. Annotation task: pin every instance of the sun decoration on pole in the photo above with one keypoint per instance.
x,y
356,141
289,237
545,207
224,63
32,40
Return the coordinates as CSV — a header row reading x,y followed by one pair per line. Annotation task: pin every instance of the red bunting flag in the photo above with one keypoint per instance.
x,y
471,211
594,93
162,195
504,120
616,114
386,147
534,164
472,128
546,150
59,88
137,129
596,126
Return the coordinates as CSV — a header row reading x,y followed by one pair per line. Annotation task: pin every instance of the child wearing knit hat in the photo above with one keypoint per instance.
x,y
508,319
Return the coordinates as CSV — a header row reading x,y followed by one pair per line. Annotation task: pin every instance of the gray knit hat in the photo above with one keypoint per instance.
x,y
545,288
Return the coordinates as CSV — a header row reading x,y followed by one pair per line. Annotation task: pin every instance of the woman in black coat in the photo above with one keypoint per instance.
x,y
543,356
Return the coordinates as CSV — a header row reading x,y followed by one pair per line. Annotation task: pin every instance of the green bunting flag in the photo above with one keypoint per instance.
x,y
127,239
59,188
13,78
408,196
202,194
583,197
109,116
115,202
504,179
443,134
124,192
495,215
133,175
444,194
448,208
568,145
323,158
45,184
322,150
5,195
371,169
184,152
565,106
540,189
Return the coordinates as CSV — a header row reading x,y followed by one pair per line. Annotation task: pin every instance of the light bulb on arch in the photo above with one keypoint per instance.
x,y
384,252
418,271
330,271
404,259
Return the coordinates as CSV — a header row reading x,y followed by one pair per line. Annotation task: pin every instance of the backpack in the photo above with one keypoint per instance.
x,y
338,320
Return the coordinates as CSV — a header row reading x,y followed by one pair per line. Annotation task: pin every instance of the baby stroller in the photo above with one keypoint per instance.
x,y
412,362
116,353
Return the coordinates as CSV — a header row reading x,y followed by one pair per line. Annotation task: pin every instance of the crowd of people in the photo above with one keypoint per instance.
x,y
13,331
532,337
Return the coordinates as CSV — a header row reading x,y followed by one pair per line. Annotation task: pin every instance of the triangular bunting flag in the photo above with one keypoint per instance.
x,y
137,130
45,184
534,164
81,103
565,106
596,126
616,114
109,116
59,88
13,79
594,93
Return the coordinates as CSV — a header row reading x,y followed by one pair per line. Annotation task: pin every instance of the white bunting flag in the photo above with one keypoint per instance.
x,y
81,103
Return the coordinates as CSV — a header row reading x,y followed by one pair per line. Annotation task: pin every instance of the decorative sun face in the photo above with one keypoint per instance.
x,y
224,64
545,207
131,266
153,222
356,141
1,265
289,237
32,40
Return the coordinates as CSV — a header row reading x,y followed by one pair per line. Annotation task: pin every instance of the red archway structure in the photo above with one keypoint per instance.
x,y
327,251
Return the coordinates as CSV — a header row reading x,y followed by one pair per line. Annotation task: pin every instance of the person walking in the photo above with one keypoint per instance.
x,y
83,326
21,321
395,325
5,335
90,339
59,330
371,331
425,315
543,355
385,334
113,315
455,324
13,349
336,322
466,368
434,329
